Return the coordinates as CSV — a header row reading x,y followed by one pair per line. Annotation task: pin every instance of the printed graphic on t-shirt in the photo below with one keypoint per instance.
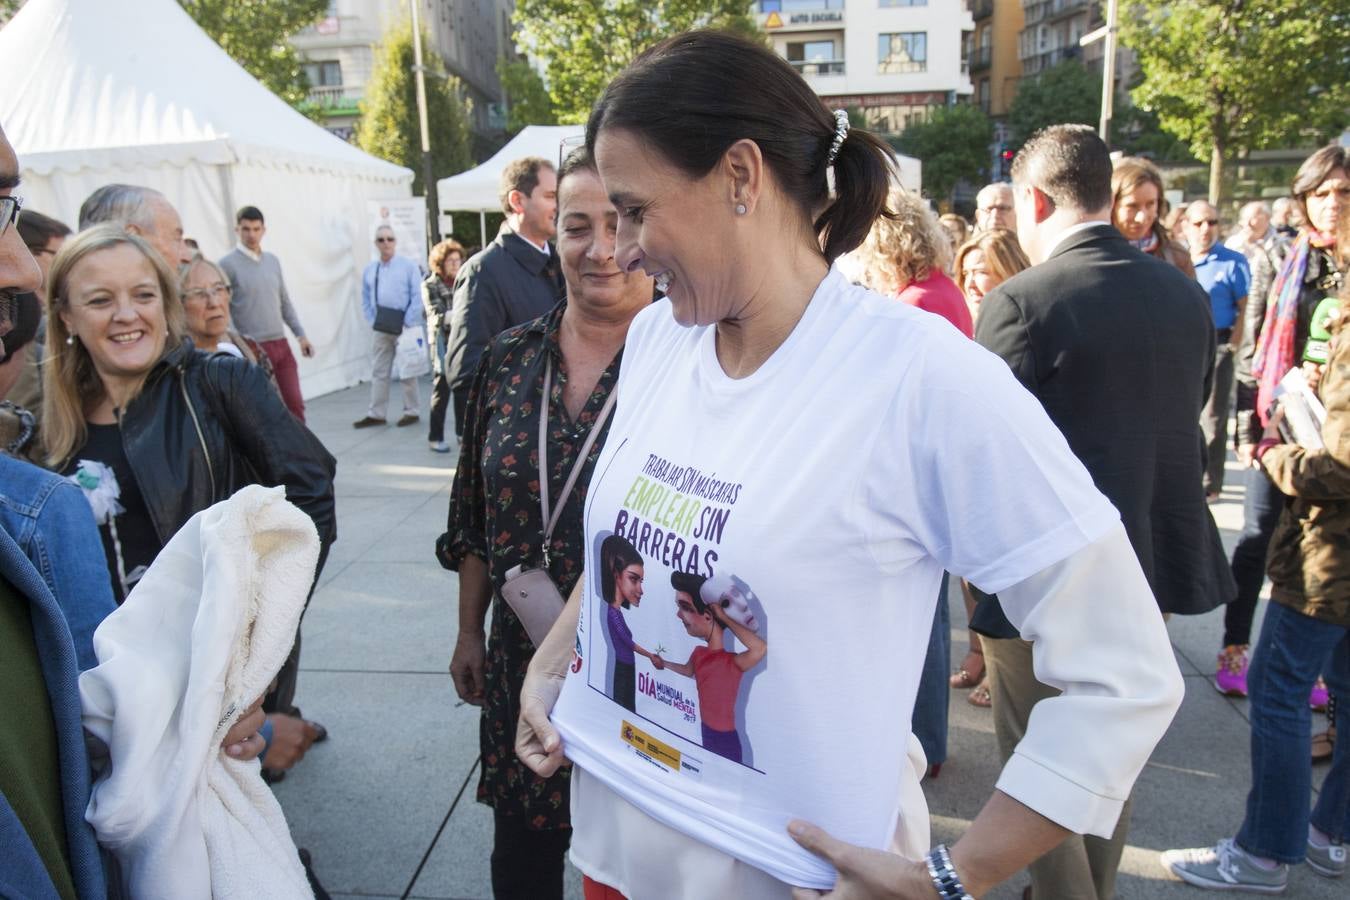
x,y
681,636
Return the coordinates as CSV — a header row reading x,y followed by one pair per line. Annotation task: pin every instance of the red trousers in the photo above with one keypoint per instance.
x,y
287,374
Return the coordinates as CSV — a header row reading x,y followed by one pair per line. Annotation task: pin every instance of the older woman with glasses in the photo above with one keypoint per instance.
x,y
205,290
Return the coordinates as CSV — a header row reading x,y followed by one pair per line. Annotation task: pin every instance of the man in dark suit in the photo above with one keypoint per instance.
x,y
1119,348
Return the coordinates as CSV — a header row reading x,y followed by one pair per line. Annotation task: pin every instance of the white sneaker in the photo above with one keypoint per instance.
x,y
439,446
1225,867
1328,861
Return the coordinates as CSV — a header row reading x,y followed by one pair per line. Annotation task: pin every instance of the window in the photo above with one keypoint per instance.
x,y
906,51
886,3
768,6
810,51
324,74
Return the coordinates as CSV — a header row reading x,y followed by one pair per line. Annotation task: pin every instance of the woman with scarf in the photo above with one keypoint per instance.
x,y
1279,322
1137,210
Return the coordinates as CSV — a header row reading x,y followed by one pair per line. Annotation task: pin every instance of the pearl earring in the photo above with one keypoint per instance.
x,y
70,339
740,209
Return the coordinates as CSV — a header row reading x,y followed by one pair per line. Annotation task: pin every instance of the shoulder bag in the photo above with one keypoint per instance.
x,y
530,591
388,320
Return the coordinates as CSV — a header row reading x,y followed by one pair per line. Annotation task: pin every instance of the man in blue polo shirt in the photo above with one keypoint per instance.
x,y
1225,276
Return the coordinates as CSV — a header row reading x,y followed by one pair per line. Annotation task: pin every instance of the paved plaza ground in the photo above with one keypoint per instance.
x,y
386,806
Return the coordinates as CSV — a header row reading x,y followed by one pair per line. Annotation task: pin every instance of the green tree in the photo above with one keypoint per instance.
x,y
256,34
953,145
527,99
1230,76
585,43
1064,93
8,8
388,127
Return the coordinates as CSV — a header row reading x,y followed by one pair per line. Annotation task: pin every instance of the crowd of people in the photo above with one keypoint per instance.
x,y
714,366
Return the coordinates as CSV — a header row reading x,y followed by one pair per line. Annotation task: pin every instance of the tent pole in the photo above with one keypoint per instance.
x,y
482,228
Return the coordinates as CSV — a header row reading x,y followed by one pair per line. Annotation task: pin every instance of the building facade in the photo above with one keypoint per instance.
x,y
469,35
892,60
1051,30
995,63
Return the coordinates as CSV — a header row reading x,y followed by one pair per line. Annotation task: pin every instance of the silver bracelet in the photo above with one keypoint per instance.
x,y
943,873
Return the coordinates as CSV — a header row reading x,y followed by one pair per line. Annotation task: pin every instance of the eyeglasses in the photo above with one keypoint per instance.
x,y
567,145
385,240
219,291
9,212
1000,208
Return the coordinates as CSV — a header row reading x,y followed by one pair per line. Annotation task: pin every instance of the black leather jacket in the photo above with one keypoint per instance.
x,y
206,425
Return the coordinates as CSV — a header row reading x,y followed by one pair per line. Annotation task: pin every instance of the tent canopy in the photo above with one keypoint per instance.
x,y
136,92
478,189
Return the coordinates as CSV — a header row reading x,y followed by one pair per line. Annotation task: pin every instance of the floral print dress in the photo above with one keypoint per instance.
x,y
495,515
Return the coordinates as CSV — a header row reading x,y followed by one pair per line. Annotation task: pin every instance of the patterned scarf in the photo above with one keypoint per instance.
x,y
1275,354
1148,244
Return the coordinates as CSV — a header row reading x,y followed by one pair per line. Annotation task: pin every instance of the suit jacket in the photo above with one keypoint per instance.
x,y
506,285
1119,348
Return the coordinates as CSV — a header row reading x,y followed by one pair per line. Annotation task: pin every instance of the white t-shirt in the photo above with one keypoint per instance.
x,y
822,496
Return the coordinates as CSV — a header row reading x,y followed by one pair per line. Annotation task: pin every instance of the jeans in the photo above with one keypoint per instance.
x,y
929,722
1260,512
440,391
1293,649
1214,419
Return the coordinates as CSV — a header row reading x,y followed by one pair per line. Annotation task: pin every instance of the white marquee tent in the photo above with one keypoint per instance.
x,y
477,190
135,92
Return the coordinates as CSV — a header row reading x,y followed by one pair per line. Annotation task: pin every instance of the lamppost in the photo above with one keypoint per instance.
x,y
1106,33
428,185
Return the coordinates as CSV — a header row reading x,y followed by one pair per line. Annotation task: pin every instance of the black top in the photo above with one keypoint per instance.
x,y
1119,349
495,515
135,531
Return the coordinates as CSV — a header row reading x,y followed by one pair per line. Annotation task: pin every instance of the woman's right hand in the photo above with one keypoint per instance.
x,y
538,743
467,666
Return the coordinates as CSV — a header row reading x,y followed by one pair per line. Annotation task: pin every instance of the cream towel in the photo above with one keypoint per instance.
x,y
200,637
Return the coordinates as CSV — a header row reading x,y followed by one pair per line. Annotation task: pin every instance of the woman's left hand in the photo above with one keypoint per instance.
x,y
864,874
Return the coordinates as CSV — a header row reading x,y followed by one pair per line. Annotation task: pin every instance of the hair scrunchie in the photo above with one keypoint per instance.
x,y
840,132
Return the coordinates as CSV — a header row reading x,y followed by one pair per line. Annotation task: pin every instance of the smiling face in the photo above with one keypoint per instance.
x,y
206,304
19,272
587,229
976,279
1136,211
114,307
677,229
628,586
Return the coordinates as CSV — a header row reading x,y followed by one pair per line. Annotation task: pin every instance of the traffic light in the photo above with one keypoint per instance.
x,y
1005,164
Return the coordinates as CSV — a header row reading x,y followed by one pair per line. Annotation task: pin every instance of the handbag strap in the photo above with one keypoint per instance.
x,y
551,521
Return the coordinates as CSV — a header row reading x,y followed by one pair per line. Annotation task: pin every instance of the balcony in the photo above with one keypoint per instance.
x,y
818,67
336,99
1062,9
981,9
981,59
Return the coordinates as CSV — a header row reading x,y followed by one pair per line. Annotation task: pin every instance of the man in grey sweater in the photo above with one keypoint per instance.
x,y
260,304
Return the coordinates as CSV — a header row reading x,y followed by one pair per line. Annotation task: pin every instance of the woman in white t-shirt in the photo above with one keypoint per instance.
x,y
838,451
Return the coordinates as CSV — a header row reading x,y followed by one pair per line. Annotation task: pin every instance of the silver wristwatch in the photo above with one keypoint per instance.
x,y
943,873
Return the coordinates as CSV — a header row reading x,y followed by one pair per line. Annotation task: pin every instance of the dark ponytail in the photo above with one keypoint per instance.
x,y
694,95
862,180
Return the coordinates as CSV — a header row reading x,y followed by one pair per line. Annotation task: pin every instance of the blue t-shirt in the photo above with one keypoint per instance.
x,y
1226,277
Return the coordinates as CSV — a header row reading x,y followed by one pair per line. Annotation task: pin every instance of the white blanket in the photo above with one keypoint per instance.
x,y
199,638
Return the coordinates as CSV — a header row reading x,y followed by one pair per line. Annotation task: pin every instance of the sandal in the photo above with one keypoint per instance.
x,y
1323,745
980,696
970,674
